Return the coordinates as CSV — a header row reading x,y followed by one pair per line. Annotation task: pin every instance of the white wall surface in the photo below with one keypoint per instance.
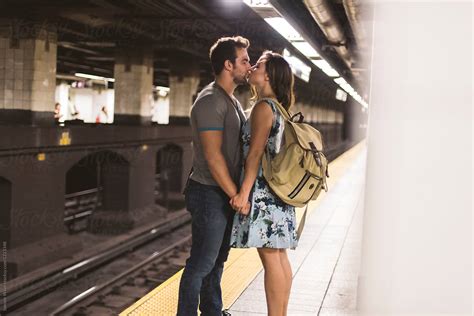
x,y
417,249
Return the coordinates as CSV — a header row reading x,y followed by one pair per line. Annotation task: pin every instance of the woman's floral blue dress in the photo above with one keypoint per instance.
x,y
270,223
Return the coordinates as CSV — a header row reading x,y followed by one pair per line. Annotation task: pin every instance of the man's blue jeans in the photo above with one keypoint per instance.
x,y
211,227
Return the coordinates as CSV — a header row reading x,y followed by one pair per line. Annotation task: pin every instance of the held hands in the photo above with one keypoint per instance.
x,y
240,203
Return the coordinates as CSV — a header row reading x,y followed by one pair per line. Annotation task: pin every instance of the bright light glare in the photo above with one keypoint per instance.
x,y
347,87
341,95
284,28
326,68
88,76
299,68
340,81
306,49
165,89
162,91
257,3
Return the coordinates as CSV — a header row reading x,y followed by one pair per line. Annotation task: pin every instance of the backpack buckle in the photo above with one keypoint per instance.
x,y
300,119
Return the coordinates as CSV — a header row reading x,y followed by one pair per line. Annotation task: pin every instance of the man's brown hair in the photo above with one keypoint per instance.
x,y
225,49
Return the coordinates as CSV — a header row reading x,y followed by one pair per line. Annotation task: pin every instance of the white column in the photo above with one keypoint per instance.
x,y
417,248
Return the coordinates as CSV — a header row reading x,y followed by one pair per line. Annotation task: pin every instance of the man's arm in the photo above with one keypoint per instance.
x,y
211,143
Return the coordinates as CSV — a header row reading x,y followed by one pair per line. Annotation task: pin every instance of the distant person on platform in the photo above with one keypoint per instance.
x,y
102,116
216,120
57,112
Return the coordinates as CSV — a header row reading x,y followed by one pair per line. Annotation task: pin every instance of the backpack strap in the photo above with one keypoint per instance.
x,y
317,158
286,115
315,152
299,231
266,156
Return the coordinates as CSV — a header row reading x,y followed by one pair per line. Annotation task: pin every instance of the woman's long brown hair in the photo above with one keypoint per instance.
x,y
281,79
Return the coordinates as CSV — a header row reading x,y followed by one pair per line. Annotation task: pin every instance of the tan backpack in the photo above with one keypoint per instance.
x,y
297,174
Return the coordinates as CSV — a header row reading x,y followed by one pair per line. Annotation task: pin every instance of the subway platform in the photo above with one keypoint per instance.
x,y
325,264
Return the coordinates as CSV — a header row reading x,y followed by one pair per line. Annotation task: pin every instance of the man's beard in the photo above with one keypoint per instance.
x,y
240,80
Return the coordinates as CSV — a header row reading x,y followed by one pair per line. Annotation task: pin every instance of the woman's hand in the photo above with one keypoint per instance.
x,y
240,203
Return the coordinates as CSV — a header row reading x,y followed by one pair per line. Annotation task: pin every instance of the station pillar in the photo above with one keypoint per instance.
x,y
128,192
417,230
32,230
133,73
27,75
184,81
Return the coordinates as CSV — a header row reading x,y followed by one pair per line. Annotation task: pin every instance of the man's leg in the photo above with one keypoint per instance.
x,y
206,204
211,293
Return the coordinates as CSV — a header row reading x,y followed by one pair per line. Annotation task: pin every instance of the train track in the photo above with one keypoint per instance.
x,y
113,296
152,248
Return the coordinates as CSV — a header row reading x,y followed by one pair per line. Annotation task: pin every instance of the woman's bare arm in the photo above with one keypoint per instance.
x,y
261,124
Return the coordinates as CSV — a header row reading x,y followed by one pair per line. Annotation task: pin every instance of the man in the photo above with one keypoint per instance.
x,y
216,119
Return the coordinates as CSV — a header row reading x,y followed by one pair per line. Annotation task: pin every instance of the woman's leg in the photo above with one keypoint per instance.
x,y
275,281
285,263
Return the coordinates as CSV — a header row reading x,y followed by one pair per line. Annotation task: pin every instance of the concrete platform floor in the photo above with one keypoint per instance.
x,y
326,263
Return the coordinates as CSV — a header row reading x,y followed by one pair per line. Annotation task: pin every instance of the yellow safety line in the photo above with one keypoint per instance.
x,y
242,266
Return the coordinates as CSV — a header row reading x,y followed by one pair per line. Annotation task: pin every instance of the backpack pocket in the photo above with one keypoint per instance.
x,y
305,188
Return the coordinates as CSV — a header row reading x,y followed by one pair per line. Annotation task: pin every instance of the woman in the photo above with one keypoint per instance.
x,y
269,225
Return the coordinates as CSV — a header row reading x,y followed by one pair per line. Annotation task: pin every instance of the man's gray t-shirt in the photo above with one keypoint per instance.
x,y
215,110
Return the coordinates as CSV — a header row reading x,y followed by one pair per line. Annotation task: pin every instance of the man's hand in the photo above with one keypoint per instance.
x,y
240,203
246,210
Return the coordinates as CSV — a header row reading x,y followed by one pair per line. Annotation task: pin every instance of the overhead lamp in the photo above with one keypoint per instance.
x,y
305,49
340,81
341,95
353,93
326,68
298,67
258,3
347,87
94,77
162,91
284,28
166,89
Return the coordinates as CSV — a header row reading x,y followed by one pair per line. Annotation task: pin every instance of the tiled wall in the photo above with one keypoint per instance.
x,y
133,87
28,72
182,90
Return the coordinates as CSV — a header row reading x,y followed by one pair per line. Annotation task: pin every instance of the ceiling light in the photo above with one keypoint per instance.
x,y
258,3
93,77
298,67
325,67
306,49
284,28
340,81
341,95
